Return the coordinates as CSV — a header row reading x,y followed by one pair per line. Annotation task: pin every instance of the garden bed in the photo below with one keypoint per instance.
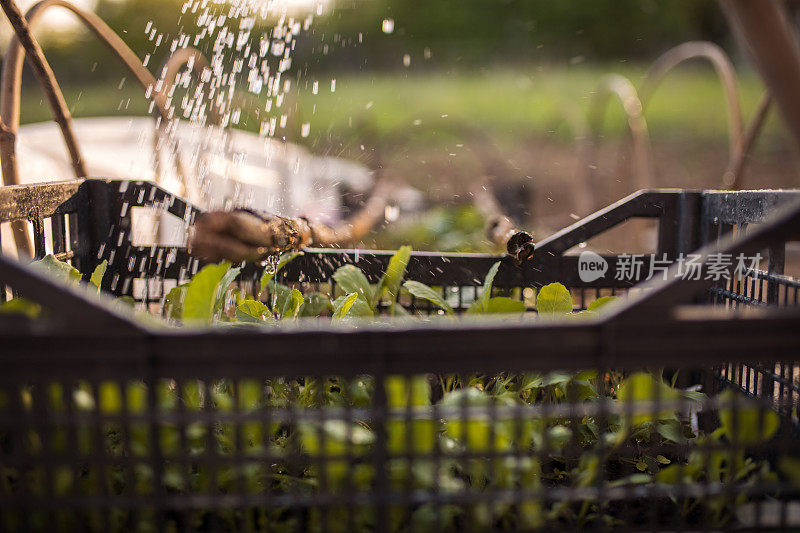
x,y
232,412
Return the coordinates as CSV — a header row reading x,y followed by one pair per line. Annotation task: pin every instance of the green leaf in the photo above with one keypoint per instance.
x,y
294,303
110,397
600,302
744,421
315,305
60,270
476,308
137,397
335,439
280,297
393,277
554,299
224,283
642,387
418,435
351,280
252,311
399,311
358,308
478,431
552,378
588,469
633,479
402,391
423,292
671,430
663,460
173,303
586,375
98,273
283,260
21,306
250,392
338,437
486,295
481,305
202,292
342,306
500,304
530,381
696,396
670,475
128,301
558,436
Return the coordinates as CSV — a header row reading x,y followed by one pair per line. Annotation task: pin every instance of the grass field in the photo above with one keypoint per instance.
x,y
505,104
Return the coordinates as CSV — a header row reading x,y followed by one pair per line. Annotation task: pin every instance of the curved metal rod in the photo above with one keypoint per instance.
x,y
169,70
11,88
765,31
12,65
725,72
623,89
46,78
24,43
732,179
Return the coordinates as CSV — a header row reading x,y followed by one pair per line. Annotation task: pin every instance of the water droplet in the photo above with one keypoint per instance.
x,y
305,130
387,26
391,213
407,60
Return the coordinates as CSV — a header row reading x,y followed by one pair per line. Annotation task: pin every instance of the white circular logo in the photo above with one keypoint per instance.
x,y
591,266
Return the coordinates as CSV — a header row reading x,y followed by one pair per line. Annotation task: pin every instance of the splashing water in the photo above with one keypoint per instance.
x,y
249,45
270,264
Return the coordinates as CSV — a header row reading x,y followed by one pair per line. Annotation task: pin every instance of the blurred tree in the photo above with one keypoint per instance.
x,y
474,32
435,33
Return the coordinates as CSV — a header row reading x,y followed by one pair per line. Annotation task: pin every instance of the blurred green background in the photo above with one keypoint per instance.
x,y
506,66
457,33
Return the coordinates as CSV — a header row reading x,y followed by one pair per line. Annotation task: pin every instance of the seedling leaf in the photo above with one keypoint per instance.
x,y
393,277
423,292
351,280
554,299
97,275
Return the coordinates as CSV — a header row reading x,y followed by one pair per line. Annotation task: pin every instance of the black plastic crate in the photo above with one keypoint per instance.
x,y
108,423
